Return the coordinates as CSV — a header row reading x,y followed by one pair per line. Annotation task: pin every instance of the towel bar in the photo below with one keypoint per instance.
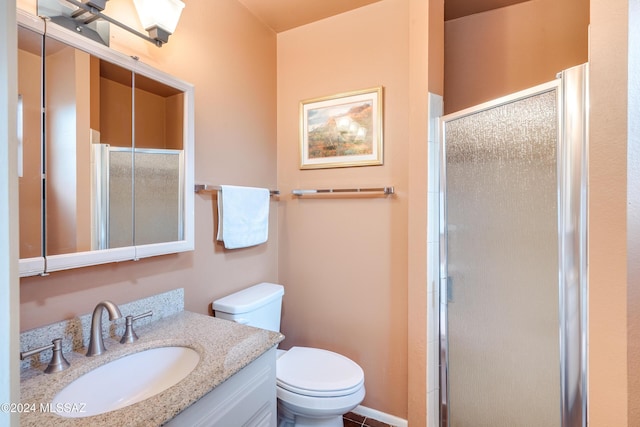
x,y
385,190
206,188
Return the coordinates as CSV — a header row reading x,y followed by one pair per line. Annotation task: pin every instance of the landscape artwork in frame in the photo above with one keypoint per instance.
x,y
342,130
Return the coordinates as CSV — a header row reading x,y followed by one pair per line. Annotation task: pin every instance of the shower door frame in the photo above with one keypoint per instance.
x,y
571,87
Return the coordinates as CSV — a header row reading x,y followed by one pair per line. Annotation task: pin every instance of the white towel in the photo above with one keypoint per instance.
x,y
243,216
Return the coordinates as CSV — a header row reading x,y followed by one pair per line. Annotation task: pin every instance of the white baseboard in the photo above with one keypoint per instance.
x,y
380,416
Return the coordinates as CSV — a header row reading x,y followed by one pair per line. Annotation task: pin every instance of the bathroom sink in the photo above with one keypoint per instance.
x,y
125,381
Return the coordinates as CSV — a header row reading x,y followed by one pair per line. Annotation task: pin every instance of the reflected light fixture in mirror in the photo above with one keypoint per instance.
x,y
158,17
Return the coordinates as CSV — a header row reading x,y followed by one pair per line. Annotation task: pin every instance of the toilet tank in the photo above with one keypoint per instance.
x,y
258,306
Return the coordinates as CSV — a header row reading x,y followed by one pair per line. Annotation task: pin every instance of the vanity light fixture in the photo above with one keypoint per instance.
x,y
158,17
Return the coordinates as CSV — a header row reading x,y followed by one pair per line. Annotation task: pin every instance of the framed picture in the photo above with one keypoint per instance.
x,y
342,130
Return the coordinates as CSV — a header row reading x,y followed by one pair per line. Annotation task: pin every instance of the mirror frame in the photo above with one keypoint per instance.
x,y
50,263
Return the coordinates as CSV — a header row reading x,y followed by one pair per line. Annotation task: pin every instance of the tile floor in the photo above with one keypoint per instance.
x,y
355,420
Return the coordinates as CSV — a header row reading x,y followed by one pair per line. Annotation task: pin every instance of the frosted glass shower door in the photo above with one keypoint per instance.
x,y
502,289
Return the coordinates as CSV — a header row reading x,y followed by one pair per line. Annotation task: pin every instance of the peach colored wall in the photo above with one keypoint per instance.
x,y
426,66
435,44
83,151
61,131
115,113
151,118
230,57
343,261
94,90
68,196
502,51
607,214
174,122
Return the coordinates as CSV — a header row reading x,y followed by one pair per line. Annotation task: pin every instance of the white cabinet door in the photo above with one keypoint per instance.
x,y
248,399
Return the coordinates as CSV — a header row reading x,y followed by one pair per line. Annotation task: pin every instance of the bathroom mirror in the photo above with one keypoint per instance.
x,y
30,41
118,157
88,102
158,181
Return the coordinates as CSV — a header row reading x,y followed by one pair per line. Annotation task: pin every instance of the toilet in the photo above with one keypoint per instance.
x,y
315,387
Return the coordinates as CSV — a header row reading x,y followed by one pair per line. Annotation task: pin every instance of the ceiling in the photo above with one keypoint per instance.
x,y
282,15
458,8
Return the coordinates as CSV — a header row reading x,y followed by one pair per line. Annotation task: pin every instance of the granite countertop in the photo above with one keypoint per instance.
x,y
225,347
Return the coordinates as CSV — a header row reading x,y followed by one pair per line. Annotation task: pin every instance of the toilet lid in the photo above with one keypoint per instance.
x,y
316,372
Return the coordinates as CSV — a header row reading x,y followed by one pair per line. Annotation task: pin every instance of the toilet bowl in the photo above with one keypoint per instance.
x,y
314,387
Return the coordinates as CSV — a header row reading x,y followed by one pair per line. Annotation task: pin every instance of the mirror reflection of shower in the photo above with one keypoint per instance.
x,y
155,216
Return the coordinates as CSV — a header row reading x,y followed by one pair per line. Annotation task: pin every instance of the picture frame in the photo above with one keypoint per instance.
x,y
343,130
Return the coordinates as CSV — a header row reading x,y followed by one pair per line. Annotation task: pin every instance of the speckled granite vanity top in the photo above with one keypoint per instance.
x,y
224,347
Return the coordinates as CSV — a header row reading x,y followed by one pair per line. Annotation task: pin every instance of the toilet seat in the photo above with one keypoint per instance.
x,y
318,373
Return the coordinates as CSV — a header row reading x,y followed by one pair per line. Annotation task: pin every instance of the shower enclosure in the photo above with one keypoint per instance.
x,y
513,259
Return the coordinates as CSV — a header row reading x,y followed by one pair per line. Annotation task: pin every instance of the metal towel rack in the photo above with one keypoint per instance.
x,y
384,190
206,188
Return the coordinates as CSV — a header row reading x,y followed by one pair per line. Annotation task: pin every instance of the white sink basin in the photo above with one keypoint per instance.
x,y
125,381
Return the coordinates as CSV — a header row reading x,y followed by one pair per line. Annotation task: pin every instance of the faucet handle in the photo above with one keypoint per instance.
x,y
129,335
58,362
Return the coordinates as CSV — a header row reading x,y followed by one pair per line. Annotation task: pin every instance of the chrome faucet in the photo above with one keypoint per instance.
x,y
96,343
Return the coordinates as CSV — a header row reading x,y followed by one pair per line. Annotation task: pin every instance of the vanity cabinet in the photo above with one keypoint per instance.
x,y
106,153
248,399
